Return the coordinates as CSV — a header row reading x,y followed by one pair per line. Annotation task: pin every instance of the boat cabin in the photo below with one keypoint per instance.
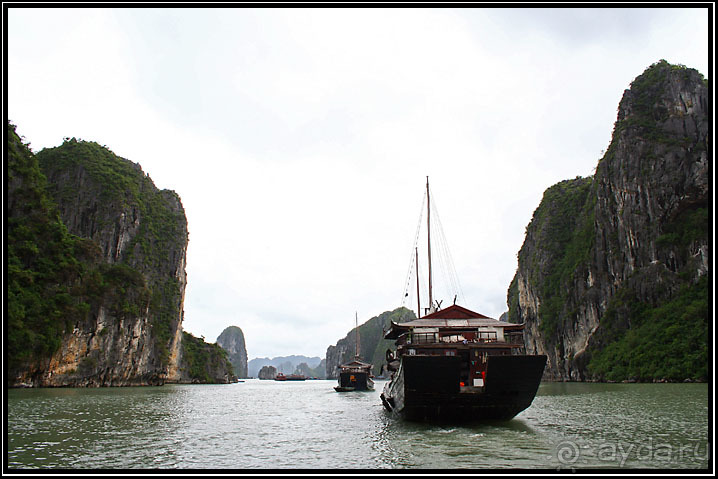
x,y
355,366
457,331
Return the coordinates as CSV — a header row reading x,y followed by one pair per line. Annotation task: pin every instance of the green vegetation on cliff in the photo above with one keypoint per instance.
x,y
563,224
43,268
668,341
204,362
618,264
89,236
667,338
123,185
647,110
54,278
691,225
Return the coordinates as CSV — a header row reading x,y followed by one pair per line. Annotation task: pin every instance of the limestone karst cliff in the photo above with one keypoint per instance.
x,y
267,372
612,278
204,363
232,341
96,275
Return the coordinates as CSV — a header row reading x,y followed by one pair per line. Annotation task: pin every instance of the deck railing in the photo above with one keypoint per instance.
x,y
477,337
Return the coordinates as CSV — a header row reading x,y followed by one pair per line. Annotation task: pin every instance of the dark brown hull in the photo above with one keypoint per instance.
x,y
428,388
354,382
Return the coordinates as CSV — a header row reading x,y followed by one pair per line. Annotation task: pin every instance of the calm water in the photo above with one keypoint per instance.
x,y
307,425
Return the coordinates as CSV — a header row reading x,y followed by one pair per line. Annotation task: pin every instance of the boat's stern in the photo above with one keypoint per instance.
x,y
433,388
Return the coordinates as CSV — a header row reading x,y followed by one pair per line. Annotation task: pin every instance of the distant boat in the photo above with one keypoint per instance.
x,y
290,377
355,375
457,364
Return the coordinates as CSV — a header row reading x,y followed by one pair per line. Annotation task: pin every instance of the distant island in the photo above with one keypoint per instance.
x,y
313,367
232,341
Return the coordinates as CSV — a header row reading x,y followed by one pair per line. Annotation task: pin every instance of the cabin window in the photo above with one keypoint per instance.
x,y
450,352
487,336
423,338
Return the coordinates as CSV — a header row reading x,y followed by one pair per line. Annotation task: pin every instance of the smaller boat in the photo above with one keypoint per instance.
x,y
355,375
290,377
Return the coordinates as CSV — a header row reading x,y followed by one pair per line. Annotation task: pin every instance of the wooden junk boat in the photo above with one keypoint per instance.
x,y
355,375
456,364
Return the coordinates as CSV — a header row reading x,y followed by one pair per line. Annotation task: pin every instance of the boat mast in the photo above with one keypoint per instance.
x,y
418,299
428,229
356,322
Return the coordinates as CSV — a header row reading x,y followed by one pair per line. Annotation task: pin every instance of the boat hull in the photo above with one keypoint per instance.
x,y
343,389
428,388
354,381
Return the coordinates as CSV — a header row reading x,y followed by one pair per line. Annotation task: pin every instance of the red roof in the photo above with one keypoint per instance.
x,y
454,312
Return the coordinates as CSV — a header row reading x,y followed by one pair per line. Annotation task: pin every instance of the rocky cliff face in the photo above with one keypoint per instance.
x,y
232,341
204,363
605,257
267,372
120,282
132,333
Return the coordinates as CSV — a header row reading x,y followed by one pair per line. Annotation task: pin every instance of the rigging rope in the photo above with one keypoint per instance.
x,y
413,253
447,263
451,283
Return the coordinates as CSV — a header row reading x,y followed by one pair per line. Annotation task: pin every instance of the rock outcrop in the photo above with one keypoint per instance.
x,y
267,372
232,341
204,363
606,257
109,309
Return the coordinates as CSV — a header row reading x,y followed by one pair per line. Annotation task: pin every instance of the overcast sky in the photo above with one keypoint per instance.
x,y
300,139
